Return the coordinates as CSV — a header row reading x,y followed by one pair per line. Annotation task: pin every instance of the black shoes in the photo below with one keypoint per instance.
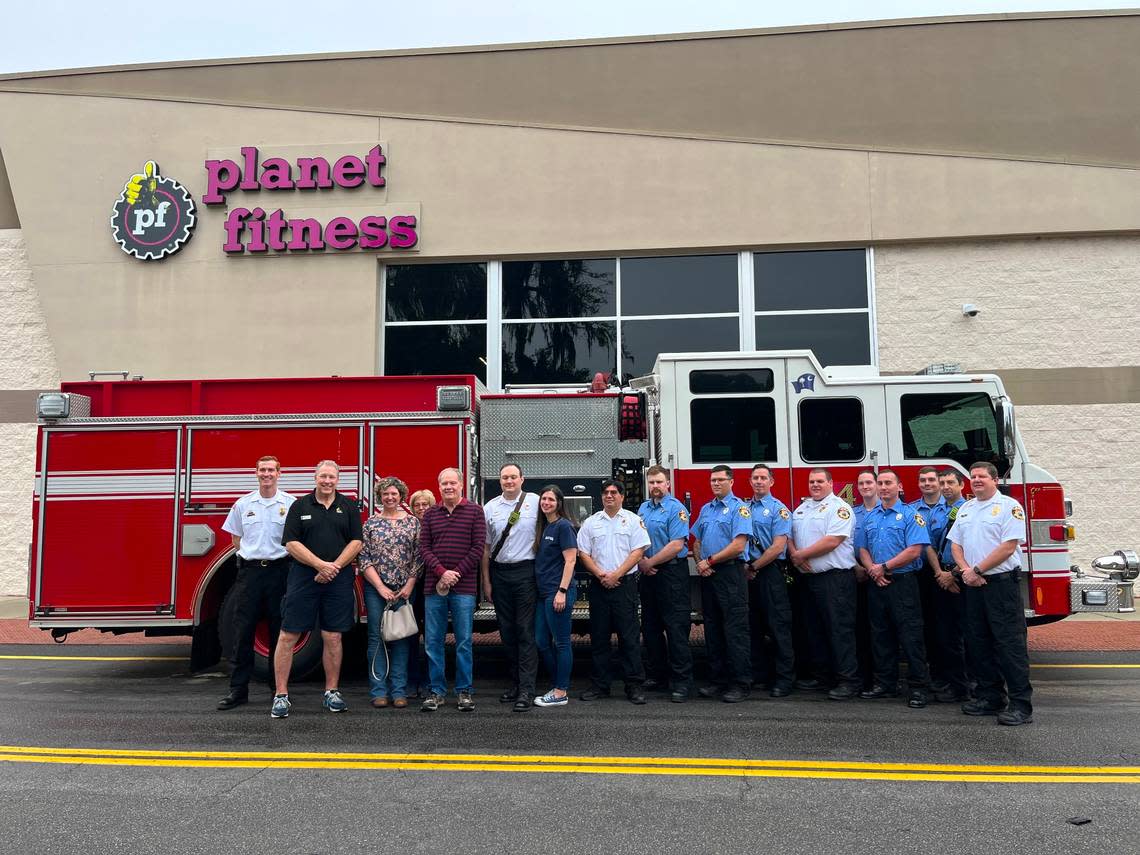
x,y
594,694
652,685
917,700
711,691
808,685
735,695
636,696
780,690
950,696
522,703
233,699
843,692
876,692
509,696
679,697
1013,718
977,707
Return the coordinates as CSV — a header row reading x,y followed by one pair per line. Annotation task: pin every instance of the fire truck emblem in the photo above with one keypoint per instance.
x,y
804,381
154,215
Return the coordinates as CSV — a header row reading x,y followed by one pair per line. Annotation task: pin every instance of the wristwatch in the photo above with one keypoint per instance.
x,y
562,590
977,570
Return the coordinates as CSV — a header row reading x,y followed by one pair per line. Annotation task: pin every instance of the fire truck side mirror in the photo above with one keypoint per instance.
x,y
1007,435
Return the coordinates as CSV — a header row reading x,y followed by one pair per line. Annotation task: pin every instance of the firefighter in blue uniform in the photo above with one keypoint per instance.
x,y
891,544
769,608
935,513
868,489
722,531
664,588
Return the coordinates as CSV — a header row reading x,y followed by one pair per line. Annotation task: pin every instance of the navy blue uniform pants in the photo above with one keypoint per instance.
x,y
615,610
515,593
833,594
996,642
724,603
895,612
259,590
665,624
770,626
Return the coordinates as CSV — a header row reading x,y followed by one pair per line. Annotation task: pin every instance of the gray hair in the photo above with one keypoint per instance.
x,y
383,484
443,472
325,463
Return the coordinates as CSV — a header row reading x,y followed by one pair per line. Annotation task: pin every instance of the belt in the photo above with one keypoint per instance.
x,y
525,563
264,562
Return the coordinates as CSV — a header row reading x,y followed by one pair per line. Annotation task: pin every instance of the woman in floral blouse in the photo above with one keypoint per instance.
x,y
389,563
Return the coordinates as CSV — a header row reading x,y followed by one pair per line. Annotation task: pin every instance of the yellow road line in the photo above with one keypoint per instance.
x,y
96,659
506,763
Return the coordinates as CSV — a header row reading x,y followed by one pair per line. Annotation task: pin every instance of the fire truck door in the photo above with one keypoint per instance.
x,y
415,452
108,516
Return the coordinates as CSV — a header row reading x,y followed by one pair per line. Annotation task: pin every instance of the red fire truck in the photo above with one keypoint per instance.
x,y
134,478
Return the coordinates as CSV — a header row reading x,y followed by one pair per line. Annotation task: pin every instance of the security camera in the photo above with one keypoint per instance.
x,y
969,310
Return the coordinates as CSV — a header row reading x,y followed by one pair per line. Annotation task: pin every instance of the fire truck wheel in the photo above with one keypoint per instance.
x,y
306,655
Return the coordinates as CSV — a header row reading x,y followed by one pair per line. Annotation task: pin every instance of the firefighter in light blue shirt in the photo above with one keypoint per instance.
x,y
769,606
949,602
891,544
722,532
936,513
664,588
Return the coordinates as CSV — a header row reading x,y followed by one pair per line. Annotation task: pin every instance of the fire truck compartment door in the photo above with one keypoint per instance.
x,y
108,521
416,452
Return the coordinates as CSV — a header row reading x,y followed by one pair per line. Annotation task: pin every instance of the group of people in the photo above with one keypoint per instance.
x,y
822,598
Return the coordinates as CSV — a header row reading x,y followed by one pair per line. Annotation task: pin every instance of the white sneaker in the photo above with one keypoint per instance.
x,y
552,700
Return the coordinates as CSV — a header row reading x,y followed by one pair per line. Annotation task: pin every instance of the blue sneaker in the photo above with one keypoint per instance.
x,y
551,700
334,702
280,708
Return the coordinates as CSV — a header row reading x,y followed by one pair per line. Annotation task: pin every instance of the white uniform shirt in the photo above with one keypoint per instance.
x,y
259,523
813,520
519,545
981,526
610,540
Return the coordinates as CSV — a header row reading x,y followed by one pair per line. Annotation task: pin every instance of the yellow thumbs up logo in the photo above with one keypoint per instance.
x,y
154,215
148,177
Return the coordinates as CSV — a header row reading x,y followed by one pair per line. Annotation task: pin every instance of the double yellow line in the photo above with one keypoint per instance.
x,y
539,763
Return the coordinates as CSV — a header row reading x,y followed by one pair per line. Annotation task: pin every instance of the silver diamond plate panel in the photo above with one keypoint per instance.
x,y
579,416
1118,595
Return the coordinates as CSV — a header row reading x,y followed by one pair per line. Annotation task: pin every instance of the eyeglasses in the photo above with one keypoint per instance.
x,y
610,493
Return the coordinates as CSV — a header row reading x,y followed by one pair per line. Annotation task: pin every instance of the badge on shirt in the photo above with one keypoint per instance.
x,y
744,512
996,510
281,511
784,514
918,519
306,516
339,511
843,513
767,512
250,514
1018,513
898,516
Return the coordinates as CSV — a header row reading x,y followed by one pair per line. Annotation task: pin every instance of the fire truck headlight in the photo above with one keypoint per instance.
x,y
1122,564
53,405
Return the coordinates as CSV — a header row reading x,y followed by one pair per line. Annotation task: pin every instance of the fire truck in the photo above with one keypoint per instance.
x,y
135,477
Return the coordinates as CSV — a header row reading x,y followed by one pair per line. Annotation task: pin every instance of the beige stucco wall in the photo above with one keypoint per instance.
x,y
1053,303
27,361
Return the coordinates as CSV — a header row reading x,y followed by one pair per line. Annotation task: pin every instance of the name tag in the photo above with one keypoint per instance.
x,y
306,516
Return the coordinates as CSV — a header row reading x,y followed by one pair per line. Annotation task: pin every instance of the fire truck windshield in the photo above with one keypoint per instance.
x,y
955,425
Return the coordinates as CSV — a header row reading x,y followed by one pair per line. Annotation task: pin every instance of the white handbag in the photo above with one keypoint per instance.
x,y
398,622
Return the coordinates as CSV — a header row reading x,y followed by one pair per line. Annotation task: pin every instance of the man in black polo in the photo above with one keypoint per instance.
x,y
323,534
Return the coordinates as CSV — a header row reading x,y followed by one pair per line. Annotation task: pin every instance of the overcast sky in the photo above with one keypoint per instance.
x,y
44,34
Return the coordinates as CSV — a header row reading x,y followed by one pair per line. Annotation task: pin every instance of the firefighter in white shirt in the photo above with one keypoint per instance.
x,y
984,542
822,550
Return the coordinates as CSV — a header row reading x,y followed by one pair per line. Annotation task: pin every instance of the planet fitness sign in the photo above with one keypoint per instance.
x,y
256,230
154,215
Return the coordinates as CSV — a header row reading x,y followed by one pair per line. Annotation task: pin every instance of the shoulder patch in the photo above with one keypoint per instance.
x,y
843,513
784,515
682,516
641,522
1018,513
744,512
918,519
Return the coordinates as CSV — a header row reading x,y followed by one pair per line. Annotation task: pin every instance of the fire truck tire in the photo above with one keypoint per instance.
x,y
306,655
1042,620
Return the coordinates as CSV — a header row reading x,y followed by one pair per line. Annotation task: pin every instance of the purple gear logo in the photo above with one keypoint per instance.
x,y
154,215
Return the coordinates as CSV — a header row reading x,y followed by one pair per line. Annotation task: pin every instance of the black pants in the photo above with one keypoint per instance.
x,y
996,642
615,610
515,593
927,589
259,591
770,620
949,651
665,624
808,640
895,612
417,660
724,603
863,634
833,594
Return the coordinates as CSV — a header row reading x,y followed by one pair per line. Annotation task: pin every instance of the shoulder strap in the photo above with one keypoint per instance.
x,y
511,520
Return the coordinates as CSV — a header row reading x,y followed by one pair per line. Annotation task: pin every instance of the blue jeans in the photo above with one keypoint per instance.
x,y
462,609
552,633
395,684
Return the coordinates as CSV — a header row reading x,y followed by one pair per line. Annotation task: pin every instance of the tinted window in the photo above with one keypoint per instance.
x,y
725,381
558,352
435,292
559,289
445,349
733,429
841,339
958,426
677,285
831,430
828,279
642,341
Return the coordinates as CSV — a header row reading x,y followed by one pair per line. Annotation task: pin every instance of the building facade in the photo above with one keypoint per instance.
x,y
537,213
